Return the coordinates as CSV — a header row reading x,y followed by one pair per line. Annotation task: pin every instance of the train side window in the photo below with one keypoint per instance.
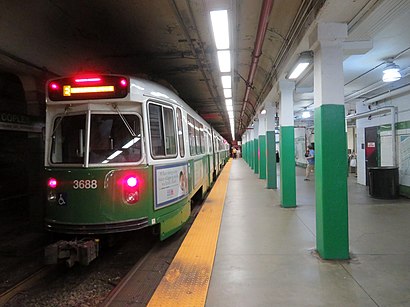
x,y
197,137
162,130
202,137
180,133
156,130
209,142
191,134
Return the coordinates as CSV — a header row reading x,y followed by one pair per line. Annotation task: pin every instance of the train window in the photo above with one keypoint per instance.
x,y
68,139
170,137
197,137
209,142
202,137
114,139
162,129
191,134
180,133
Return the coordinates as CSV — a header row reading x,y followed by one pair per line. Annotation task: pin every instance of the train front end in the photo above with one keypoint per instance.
x,y
97,179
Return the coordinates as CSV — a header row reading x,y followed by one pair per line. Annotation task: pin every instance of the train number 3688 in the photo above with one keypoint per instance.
x,y
85,184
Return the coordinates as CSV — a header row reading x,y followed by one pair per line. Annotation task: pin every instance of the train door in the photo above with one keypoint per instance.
x,y
371,149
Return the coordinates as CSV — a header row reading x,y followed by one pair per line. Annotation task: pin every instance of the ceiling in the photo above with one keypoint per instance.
x,y
170,41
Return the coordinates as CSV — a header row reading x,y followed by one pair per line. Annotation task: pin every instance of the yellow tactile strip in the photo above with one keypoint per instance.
x,y
187,278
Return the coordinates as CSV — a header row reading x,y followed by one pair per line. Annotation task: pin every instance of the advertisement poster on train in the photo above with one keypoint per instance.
x,y
171,184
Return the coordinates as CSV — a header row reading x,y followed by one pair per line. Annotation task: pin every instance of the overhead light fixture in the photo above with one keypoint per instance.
x,y
306,114
220,27
391,72
304,60
226,81
224,59
228,93
263,112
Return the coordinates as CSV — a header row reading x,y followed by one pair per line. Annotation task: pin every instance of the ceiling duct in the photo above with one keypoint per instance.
x,y
257,50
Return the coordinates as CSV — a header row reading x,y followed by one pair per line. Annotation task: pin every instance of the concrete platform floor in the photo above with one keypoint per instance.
x,y
265,254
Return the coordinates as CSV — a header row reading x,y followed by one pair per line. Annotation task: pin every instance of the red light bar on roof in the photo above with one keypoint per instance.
x,y
82,80
88,88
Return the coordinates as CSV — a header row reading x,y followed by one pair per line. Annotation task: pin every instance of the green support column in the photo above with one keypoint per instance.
x,y
271,160
332,231
247,153
287,167
251,155
256,156
262,155
244,151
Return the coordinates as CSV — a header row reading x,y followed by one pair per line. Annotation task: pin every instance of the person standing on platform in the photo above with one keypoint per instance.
x,y
234,153
310,161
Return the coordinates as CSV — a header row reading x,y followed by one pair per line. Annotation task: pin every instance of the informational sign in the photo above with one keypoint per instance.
x,y
18,122
371,144
171,184
404,160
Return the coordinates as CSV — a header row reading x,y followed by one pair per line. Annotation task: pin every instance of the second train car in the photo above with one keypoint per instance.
x,y
124,153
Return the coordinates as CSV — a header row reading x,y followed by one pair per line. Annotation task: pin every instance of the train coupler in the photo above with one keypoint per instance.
x,y
81,251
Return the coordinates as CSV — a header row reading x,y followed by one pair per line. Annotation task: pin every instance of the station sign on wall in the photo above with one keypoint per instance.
x,y
19,122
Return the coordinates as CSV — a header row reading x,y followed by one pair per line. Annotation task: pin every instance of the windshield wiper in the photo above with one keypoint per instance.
x,y
59,122
124,120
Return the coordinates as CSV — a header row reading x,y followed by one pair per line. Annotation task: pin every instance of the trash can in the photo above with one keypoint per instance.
x,y
384,182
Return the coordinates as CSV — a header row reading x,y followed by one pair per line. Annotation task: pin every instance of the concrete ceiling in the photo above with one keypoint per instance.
x,y
170,41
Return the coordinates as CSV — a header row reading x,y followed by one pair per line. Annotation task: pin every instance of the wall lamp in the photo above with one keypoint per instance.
x,y
391,72
304,60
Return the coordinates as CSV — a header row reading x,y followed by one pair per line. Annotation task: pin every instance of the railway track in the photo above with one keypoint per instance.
x,y
36,284
30,281
150,268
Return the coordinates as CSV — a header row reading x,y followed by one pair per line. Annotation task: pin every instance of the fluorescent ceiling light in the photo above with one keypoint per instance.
x,y
229,108
302,63
306,114
263,112
230,113
391,73
228,93
226,81
224,59
298,70
219,20
228,102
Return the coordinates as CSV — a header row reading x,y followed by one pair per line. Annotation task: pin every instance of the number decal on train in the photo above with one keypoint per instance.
x,y
85,184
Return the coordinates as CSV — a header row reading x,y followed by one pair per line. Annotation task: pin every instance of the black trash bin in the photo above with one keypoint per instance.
x,y
384,182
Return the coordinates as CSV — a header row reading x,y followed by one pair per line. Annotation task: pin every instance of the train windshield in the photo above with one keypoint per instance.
x,y
113,139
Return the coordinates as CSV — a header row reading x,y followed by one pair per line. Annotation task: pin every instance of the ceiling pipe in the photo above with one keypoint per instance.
x,y
257,50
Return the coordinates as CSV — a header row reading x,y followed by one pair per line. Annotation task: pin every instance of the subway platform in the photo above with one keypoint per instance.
x,y
264,255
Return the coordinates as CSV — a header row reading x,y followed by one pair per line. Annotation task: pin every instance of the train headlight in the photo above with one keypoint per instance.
x,y
52,183
130,190
132,182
